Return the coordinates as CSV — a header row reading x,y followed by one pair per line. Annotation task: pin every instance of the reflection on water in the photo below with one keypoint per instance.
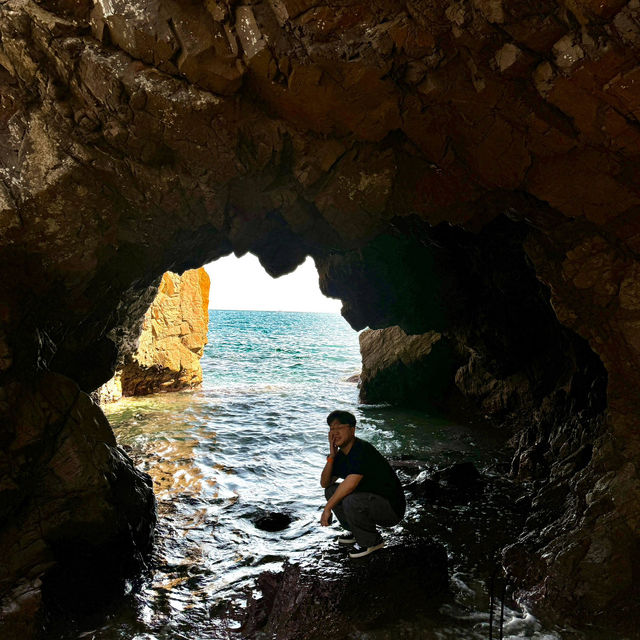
x,y
254,440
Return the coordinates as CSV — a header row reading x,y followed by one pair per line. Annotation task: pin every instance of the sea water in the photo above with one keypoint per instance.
x,y
253,440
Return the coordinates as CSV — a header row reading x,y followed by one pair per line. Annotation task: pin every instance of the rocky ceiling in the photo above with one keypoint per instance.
x,y
405,146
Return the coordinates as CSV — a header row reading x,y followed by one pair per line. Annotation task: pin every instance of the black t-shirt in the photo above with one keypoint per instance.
x,y
377,475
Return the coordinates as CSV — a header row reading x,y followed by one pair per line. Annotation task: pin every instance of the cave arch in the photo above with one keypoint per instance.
x,y
127,145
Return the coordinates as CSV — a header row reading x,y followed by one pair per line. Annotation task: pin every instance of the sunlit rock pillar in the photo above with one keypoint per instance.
x,y
174,334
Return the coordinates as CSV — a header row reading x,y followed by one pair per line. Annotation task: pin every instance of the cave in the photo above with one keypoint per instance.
x,y
468,167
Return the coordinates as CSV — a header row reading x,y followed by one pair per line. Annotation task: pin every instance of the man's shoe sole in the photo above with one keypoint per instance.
x,y
367,551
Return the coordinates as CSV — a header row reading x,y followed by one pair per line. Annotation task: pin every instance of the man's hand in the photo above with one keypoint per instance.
x,y
325,519
332,445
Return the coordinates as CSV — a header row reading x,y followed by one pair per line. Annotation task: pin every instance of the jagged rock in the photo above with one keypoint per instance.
x,y
344,596
431,158
174,333
110,391
409,370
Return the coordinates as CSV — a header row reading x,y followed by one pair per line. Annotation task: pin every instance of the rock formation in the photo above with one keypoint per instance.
x,y
340,599
428,155
174,333
413,371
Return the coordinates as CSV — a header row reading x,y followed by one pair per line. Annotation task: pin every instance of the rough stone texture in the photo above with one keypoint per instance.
x,y
415,370
77,516
174,333
110,391
389,140
341,599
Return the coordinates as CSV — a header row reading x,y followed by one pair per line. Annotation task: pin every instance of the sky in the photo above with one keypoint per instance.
x,y
242,283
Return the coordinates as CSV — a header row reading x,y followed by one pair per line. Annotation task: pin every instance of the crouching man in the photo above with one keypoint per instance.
x,y
370,494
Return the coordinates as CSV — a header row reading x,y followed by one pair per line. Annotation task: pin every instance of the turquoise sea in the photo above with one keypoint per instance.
x,y
252,440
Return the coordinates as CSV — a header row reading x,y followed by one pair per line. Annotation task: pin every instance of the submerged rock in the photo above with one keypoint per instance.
x,y
339,596
272,521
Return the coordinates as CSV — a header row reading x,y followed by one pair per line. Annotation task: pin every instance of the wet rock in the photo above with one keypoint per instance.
x,y
272,521
87,526
408,466
406,370
462,475
457,484
339,596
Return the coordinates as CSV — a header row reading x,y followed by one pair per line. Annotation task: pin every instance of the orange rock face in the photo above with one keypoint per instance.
x,y
174,333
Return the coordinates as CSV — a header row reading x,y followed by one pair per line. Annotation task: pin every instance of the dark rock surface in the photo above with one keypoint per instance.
x,y
462,475
408,370
436,159
456,484
80,518
339,596
272,521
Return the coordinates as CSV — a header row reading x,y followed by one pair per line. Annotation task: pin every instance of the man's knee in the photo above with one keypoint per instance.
x,y
351,502
330,490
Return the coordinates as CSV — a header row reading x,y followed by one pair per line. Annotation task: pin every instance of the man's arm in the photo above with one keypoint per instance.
x,y
344,489
327,477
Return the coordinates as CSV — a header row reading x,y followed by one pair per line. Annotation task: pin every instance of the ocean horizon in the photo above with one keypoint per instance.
x,y
334,313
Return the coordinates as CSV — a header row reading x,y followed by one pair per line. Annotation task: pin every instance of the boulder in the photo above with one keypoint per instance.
x,y
407,370
456,484
77,517
462,475
338,597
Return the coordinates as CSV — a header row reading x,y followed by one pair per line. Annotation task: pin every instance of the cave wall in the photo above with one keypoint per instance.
x,y
139,137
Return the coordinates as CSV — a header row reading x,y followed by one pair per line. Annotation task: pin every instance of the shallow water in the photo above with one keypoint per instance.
x,y
253,440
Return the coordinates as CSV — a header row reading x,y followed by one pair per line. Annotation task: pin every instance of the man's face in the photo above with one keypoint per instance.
x,y
341,433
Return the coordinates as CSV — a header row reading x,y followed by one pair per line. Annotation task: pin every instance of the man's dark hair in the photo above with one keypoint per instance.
x,y
344,417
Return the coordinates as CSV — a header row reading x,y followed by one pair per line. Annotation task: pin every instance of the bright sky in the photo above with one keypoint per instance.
x,y
242,284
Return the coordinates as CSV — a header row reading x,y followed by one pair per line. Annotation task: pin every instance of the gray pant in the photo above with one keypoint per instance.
x,y
360,512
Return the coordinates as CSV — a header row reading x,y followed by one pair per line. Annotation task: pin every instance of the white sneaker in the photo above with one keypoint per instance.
x,y
359,552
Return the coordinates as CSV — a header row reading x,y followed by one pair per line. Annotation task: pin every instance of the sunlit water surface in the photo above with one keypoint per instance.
x,y
253,440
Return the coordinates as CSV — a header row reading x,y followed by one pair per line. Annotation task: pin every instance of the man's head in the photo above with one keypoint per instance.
x,y
342,426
